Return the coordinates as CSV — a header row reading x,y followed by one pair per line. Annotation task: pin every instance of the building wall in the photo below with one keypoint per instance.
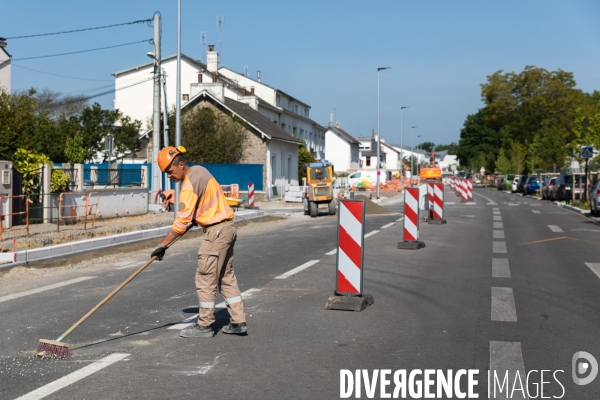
x,y
338,151
284,166
5,71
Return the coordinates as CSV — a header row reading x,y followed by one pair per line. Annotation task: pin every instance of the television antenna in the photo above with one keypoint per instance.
x,y
203,37
245,70
220,21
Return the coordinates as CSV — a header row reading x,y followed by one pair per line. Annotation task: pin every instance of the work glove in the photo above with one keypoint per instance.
x,y
159,253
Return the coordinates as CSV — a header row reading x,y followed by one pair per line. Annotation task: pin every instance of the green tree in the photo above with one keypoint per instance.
x,y
426,146
503,163
304,157
477,138
74,150
451,148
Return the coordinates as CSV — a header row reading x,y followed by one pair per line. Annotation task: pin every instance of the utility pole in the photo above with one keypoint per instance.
x,y
178,100
165,122
156,175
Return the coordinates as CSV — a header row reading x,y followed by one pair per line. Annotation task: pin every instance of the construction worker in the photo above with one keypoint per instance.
x,y
201,202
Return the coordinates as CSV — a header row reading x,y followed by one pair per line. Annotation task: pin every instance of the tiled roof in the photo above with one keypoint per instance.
x,y
343,133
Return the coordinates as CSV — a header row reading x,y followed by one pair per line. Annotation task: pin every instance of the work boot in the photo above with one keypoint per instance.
x,y
198,331
235,328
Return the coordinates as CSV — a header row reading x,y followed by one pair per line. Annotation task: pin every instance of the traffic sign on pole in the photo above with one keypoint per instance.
x,y
587,152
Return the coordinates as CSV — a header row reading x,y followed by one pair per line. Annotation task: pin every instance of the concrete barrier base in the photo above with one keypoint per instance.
x,y
411,245
436,221
349,303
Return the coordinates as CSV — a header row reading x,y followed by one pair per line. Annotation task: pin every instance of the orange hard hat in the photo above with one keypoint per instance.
x,y
166,156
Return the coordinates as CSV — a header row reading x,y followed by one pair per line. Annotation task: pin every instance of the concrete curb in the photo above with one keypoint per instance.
x,y
25,257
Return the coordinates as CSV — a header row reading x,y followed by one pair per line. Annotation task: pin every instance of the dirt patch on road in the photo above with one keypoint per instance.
x,y
370,207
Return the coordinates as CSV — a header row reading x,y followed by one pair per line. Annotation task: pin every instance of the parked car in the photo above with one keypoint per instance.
x,y
514,185
547,187
504,182
595,199
563,187
532,185
521,184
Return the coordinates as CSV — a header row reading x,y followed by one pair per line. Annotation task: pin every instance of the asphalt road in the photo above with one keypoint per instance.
x,y
504,285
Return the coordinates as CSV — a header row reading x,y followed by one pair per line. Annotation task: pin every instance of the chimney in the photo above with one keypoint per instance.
x,y
258,76
199,78
214,77
212,59
337,124
252,91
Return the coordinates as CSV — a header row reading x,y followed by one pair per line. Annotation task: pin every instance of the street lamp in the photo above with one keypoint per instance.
x,y
419,149
378,129
412,150
401,158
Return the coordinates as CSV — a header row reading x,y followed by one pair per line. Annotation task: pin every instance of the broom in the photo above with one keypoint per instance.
x,y
62,350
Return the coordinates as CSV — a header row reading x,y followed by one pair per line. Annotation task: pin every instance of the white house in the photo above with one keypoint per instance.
x,y
341,148
389,155
4,66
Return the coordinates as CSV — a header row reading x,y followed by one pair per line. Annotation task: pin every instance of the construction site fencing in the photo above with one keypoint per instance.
x,y
38,213
232,191
73,206
5,213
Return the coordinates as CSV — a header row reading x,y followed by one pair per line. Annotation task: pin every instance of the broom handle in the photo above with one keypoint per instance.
x,y
107,298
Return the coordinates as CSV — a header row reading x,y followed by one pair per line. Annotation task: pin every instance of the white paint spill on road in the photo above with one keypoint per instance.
x,y
498,234
388,225
221,306
554,228
500,268
506,357
595,267
503,305
370,234
44,288
73,377
332,252
499,247
297,269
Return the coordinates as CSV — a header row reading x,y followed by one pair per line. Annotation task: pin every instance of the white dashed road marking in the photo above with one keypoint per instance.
x,y
400,219
500,268
370,234
503,305
505,357
450,203
44,288
595,267
329,253
498,225
536,211
498,234
554,228
388,225
497,218
73,377
496,212
297,269
499,247
496,209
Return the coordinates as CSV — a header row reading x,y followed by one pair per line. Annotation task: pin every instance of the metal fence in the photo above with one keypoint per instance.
x,y
113,177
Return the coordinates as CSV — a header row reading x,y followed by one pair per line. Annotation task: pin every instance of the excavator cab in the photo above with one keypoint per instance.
x,y
320,188
431,171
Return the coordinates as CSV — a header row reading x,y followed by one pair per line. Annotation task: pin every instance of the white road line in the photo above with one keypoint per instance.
x,y
400,219
496,209
505,357
450,203
297,269
388,225
490,201
498,225
370,234
595,267
498,234
554,228
331,252
500,268
499,247
221,306
471,204
536,211
73,377
496,212
44,288
513,204
503,305
497,218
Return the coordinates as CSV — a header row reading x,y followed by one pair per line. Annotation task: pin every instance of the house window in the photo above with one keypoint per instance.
x,y
278,101
185,97
296,108
368,161
295,130
306,112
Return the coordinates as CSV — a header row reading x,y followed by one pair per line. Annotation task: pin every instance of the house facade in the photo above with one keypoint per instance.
x,y
5,58
342,149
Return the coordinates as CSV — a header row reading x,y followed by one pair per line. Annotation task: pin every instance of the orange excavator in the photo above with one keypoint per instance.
x,y
432,171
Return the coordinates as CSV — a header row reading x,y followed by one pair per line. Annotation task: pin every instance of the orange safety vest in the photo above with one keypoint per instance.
x,y
209,209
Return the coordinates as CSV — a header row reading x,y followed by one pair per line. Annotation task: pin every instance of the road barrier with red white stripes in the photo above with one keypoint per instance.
x,y
470,190
251,194
464,193
430,196
437,209
410,234
350,258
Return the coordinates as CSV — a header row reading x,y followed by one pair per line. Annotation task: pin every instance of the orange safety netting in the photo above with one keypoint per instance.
x,y
232,190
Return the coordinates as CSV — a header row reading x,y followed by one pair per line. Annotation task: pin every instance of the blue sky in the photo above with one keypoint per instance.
x,y
325,53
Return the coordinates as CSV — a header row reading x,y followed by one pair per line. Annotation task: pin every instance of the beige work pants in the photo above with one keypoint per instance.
x,y
215,269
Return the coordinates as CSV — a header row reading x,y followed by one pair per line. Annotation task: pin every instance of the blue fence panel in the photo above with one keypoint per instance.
x,y
242,174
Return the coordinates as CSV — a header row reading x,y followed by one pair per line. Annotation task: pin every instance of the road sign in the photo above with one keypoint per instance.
x,y
587,152
482,171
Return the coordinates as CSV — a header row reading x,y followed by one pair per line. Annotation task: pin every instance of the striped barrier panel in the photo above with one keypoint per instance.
x,y
410,234
464,191
350,253
430,199
469,190
251,194
438,199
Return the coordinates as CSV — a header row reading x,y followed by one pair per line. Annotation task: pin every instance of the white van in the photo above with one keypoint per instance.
x,y
368,178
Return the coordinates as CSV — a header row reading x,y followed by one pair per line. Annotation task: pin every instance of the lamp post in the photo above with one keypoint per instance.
x,y
378,130
178,100
401,158
412,148
419,149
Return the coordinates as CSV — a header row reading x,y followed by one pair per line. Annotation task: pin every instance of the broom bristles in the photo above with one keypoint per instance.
x,y
50,348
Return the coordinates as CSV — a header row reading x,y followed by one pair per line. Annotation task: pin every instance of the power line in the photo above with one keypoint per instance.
x,y
82,30
62,76
84,51
58,104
